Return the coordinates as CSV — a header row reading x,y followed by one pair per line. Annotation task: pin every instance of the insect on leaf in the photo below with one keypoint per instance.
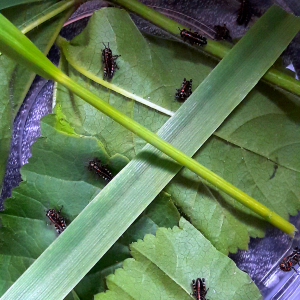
x,y
163,267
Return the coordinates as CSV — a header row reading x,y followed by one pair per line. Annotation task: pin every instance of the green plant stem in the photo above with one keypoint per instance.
x,y
282,80
214,48
49,13
17,46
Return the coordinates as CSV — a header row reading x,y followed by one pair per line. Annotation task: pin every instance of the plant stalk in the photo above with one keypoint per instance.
x,y
49,13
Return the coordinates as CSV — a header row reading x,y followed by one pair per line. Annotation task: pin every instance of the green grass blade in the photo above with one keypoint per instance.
x,y
63,45
125,198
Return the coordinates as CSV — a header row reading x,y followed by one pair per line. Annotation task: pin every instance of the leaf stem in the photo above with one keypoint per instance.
x,y
62,43
16,45
214,48
49,13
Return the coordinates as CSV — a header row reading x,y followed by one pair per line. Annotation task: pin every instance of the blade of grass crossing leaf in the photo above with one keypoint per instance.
x,y
88,237
19,47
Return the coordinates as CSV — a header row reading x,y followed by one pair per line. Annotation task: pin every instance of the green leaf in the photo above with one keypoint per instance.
x,y
61,176
164,266
50,180
9,3
271,119
15,79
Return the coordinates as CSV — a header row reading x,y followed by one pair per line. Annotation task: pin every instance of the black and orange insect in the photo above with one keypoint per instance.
x,y
100,169
244,13
222,33
109,62
185,91
194,38
58,221
290,261
199,289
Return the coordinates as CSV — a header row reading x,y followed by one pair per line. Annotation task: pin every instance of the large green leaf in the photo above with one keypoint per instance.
x,y
59,176
172,61
49,181
15,80
272,118
164,266
260,136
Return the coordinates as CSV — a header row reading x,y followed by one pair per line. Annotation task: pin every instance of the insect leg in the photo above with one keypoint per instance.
x,y
60,209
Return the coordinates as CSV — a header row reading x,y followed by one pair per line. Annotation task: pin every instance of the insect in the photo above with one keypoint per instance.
x,y
194,38
58,221
199,289
290,261
109,62
244,13
222,33
101,170
185,91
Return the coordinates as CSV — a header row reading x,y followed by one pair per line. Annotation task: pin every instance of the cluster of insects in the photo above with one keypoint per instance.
x,y
56,218
109,61
100,169
288,263
199,289
194,38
